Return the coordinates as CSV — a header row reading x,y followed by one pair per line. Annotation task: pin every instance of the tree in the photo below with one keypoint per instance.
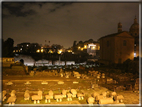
x,y
90,40
8,48
80,42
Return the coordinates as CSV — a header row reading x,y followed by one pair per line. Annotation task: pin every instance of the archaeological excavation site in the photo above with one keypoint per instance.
x,y
88,87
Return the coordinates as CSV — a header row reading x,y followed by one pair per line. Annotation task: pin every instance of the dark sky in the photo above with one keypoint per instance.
x,y
62,23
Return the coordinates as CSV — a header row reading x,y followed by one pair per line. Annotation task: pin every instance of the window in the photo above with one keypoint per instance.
x,y
107,43
124,43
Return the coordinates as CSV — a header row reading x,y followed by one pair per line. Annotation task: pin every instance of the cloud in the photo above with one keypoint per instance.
x,y
62,23
57,6
16,9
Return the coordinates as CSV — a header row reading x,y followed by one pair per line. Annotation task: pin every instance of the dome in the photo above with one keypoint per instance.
x,y
134,29
134,26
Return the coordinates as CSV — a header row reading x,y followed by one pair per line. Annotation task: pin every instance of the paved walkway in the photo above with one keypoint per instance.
x,y
36,78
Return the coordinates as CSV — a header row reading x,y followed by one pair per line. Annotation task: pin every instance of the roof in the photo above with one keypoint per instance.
x,y
112,35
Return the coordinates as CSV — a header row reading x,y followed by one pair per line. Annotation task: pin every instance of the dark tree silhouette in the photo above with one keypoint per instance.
x,y
8,48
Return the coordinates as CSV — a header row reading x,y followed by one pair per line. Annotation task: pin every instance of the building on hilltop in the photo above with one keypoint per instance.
x,y
26,48
91,47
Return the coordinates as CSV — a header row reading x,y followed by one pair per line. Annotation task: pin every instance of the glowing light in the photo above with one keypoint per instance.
x,y
41,50
89,45
50,51
82,49
21,49
135,54
38,50
98,47
85,46
93,47
69,50
60,51
79,47
27,45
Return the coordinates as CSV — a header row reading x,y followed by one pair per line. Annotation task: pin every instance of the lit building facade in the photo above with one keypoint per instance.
x,y
23,47
93,49
116,48
7,61
50,49
26,48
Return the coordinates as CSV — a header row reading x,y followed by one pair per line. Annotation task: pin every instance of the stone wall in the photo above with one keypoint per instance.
x,y
14,70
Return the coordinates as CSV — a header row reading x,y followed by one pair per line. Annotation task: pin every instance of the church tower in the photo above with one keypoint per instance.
x,y
119,27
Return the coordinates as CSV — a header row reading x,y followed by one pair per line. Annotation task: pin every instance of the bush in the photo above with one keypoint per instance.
x,y
131,66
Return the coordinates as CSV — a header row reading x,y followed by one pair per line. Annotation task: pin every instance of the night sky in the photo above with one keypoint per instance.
x,y
63,23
